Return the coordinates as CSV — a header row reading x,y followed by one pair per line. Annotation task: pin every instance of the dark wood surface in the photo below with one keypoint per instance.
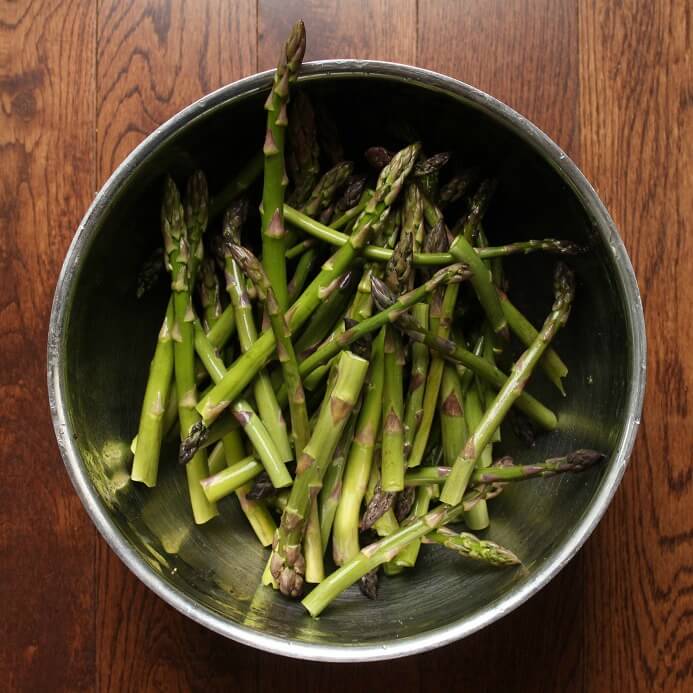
x,y
83,81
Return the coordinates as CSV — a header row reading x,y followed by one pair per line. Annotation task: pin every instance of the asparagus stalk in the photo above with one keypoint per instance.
x,y
392,312
177,247
504,471
417,380
258,516
523,329
245,368
332,236
326,316
275,178
397,275
406,558
477,518
452,420
351,196
252,267
304,267
303,151
270,412
208,290
313,547
323,193
472,547
564,289
150,272
146,463
287,565
196,207
378,513
243,180
228,454
223,329
440,319
454,352
244,414
456,188
332,487
385,550
453,435
345,538
227,480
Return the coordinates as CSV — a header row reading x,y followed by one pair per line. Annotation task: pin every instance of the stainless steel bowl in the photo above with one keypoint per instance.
x,y
101,339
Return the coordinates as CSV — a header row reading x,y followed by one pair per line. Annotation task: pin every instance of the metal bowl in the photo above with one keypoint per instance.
x,y
101,339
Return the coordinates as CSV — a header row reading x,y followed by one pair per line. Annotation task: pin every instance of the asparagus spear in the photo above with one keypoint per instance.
x,y
406,558
303,151
332,487
258,515
323,193
504,471
252,267
452,421
275,178
332,236
230,453
223,329
453,434
178,252
477,518
270,412
243,180
303,269
231,478
419,368
386,549
353,190
151,428
564,289
313,547
245,368
245,415
472,547
151,271
345,541
454,352
326,315
431,165
195,207
389,314
456,188
378,513
441,313
208,289
287,564
397,273
522,328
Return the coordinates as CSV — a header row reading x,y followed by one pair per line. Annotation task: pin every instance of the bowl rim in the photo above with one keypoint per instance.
x,y
603,224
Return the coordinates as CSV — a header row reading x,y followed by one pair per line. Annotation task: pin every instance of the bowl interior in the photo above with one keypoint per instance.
x,y
108,339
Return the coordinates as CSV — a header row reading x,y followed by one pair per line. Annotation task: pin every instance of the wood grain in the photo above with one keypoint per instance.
x,y
47,74
374,29
81,83
637,146
523,52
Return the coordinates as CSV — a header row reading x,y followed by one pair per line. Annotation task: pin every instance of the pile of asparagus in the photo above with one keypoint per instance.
x,y
356,405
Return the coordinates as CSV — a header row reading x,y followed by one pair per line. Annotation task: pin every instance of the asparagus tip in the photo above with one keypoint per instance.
x,y
190,445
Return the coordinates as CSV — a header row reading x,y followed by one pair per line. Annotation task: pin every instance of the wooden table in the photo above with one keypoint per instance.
x,y
81,83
